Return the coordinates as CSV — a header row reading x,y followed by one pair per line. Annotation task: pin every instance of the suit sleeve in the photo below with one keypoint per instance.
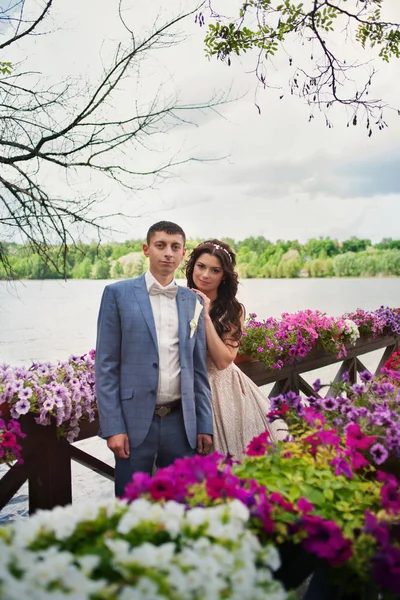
x,y
201,385
107,365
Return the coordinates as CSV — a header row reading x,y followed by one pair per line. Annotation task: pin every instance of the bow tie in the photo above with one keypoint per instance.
x,y
169,291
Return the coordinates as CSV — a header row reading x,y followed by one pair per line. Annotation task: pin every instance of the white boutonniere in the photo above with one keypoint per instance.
x,y
194,322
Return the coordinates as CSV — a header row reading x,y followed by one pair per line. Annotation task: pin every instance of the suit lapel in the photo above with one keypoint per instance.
x,y
182,316
143,299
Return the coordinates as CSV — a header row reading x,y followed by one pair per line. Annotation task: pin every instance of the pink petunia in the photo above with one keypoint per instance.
x,y
258,445
356,439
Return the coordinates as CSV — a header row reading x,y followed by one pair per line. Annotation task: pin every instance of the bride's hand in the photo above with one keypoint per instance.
x,y
206,300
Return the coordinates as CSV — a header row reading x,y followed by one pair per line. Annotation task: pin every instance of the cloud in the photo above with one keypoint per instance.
x,y
284,177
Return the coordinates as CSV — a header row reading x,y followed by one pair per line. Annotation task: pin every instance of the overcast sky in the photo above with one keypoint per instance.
x,y
282,176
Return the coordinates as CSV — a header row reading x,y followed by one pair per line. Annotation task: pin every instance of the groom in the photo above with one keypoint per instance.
x,y
151,374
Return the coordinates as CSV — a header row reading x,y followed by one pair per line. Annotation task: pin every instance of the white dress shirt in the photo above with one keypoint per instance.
x,y
165,312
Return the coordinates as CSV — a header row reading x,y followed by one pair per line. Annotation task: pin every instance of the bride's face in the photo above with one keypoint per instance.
x,y
207,274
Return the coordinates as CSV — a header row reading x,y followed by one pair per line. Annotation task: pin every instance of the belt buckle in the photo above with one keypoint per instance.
x,y
163,411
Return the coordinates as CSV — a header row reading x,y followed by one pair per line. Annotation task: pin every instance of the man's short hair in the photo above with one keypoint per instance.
x,y
166,227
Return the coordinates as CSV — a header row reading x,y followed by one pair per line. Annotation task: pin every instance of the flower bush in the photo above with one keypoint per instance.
x,y
10,436
291,337
384,320
64,391
143,550
314,493
393,362
369,411
341,493
279,341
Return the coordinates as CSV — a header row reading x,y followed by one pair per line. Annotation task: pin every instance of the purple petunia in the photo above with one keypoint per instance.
x,y
366,376
329,403
379,453
64,390
25,393
22,406
316,385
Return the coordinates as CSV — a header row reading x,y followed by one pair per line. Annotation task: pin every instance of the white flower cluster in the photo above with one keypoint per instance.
x,y
351,331
143,551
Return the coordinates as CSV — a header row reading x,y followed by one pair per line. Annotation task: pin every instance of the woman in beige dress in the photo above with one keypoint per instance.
x,y
239,407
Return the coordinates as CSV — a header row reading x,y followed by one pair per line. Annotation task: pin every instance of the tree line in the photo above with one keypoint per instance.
x,y
257,257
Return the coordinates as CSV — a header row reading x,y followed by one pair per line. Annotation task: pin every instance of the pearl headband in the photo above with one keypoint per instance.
x,y
218,247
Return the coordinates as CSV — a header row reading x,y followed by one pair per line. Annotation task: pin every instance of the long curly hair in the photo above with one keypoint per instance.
x,y
225,311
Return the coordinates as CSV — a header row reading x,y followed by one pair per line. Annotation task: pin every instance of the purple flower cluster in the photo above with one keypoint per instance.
x,y
371,407
392,319
368,322
384,320
64,392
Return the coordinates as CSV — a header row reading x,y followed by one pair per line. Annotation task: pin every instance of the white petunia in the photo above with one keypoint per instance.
x,y
270,557
352,330
237,510
173,517
196,517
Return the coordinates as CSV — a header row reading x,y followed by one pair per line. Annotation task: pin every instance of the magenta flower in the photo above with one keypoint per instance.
x,y
390,496
162,488
222,485
276,498
258,445
139,485
325,540
358,461
263,511
342,467
312,417
8,439
325,437
304,506
356,439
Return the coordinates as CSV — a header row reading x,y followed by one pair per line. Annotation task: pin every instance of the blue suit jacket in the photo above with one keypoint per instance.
x,y
127,363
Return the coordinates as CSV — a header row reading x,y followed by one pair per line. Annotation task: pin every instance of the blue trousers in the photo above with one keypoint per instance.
x,y
165,442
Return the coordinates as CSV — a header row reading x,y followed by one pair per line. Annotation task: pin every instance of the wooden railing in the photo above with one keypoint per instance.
x,y
47,459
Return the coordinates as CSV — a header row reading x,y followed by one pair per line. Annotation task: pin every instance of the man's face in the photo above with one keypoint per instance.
x,y
165,253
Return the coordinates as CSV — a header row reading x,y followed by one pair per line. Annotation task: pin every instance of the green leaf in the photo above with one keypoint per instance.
x,y
328,493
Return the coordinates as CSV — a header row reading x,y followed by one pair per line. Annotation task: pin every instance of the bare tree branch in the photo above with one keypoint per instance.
x,y
32,26
75,129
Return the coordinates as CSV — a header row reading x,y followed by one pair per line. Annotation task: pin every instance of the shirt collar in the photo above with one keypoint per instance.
x,y
150,279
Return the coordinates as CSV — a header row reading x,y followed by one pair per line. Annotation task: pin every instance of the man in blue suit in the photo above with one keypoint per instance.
x,y
151,373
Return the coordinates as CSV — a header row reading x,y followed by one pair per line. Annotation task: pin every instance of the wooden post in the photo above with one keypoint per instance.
x,y
50,484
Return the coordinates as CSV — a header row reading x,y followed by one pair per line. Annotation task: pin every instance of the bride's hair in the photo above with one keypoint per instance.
x,y
225,311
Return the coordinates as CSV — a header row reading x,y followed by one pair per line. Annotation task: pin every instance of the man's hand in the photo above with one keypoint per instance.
x,y
119,444
204,443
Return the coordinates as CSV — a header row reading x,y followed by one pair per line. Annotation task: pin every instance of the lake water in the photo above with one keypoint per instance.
x,y
49,320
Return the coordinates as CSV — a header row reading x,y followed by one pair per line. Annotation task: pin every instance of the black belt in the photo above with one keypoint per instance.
x,y
162,410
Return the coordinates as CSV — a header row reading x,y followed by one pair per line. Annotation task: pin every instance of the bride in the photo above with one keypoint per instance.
x,y
239,407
